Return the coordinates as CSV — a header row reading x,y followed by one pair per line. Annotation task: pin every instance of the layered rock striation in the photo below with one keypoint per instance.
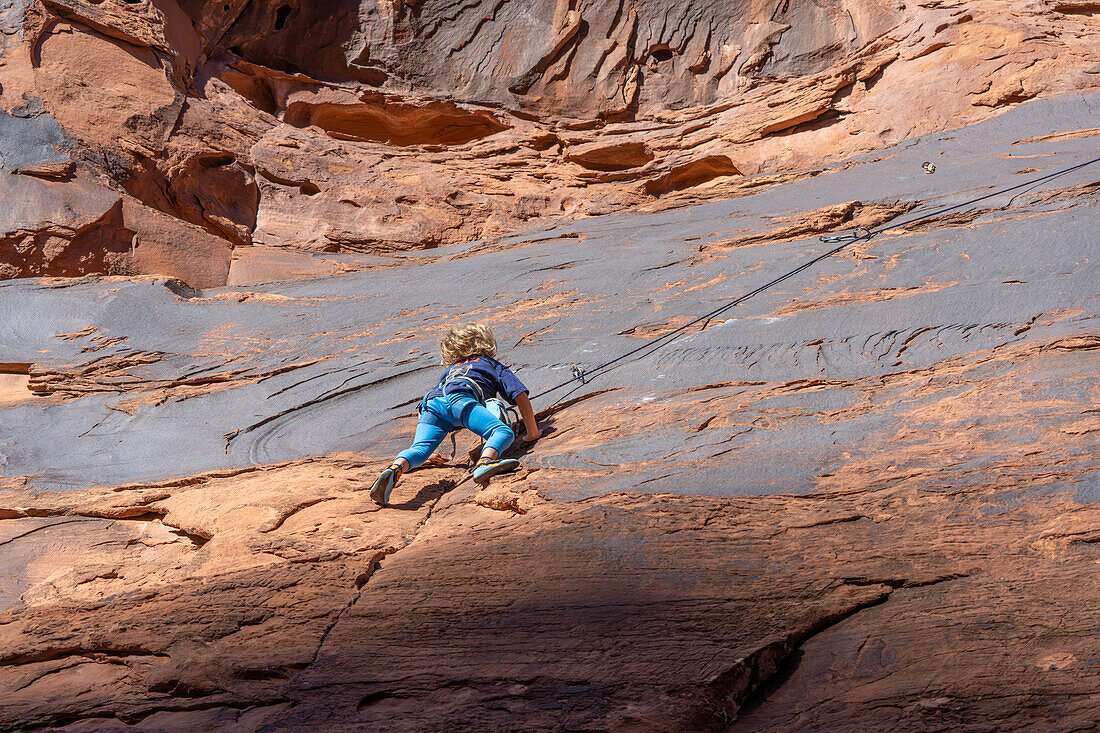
x,y
191,135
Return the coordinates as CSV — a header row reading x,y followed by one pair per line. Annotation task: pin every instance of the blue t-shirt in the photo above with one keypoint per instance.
x,y
493,377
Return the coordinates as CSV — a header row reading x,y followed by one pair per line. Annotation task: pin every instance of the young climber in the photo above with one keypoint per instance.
x,y
472,376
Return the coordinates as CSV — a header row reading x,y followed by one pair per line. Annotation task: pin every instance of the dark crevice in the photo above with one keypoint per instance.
x,y
300,507
147,516
309,188
785,667
181,706
281,14
375,562
737,689
902,582
264,674
198,540
360,582
50,655
41,528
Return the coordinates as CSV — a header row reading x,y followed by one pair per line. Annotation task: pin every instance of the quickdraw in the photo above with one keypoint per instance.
x,y
857,234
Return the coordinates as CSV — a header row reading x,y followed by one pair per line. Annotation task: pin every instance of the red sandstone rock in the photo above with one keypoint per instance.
x,y
621,156
80,227
255,589
692,174
105,92
60,228
455,125
168,246
377,119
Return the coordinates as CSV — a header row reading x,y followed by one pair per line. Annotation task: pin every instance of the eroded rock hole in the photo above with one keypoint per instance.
x,y
375,698
281,14
660,54
396,123
217,161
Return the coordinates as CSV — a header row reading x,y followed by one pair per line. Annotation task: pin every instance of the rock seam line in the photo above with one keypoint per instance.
x,y
373,567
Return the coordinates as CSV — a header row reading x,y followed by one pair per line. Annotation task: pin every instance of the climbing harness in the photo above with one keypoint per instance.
x,y
465,383
846,240
458,380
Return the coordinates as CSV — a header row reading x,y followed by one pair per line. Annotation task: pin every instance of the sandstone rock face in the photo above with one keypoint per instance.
x,y
75,231
363,127
865,499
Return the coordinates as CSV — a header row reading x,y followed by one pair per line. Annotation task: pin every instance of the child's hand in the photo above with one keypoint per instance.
x,y
436,460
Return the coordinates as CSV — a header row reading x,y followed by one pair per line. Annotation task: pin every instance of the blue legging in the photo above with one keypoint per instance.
x,y
442,415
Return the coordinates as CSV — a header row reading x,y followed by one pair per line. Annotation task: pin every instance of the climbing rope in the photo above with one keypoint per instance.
x,y
587,375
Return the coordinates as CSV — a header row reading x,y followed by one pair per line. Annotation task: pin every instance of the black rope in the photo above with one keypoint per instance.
x,y
588,375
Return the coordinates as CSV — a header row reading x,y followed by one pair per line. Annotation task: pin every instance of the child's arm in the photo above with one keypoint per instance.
x,y
523,402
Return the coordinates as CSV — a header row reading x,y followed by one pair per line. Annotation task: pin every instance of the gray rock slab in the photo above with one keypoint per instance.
x,y
289,369
30,141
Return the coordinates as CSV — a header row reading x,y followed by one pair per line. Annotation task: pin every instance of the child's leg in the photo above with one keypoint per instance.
x,y
429,434
476,417
431,428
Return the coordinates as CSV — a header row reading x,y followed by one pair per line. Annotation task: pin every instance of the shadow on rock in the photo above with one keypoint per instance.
x,y
427,494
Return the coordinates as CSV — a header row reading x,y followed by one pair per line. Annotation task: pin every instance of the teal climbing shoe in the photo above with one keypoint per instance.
x,y
486,468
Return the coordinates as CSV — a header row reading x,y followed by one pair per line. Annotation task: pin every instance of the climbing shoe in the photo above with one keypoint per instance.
x,y
384,484
486,468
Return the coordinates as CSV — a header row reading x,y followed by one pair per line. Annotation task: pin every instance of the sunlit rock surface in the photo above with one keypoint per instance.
x,y
862,500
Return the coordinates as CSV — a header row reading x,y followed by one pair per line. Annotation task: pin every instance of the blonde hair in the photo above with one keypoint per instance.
x,y
472,339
